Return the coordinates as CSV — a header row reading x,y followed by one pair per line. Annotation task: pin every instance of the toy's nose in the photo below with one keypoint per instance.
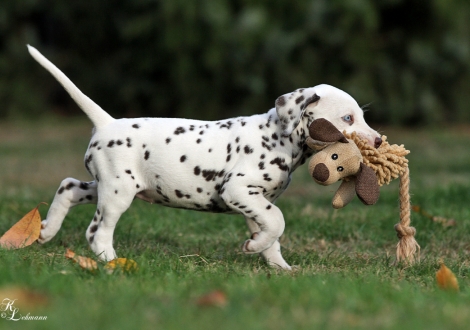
x,y
321,173
377,142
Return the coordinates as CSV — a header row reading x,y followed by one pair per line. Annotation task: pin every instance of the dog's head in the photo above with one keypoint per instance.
x,y
328,102
340,158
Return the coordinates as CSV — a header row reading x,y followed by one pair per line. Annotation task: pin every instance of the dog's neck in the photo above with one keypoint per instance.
x,y
300,152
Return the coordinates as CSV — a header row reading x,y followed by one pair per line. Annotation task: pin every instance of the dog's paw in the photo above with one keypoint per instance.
x,y
107,255
46,233
254,235
251,246
281,265
104,252
247,247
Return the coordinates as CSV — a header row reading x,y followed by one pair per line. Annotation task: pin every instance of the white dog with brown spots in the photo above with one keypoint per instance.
x,y
238,165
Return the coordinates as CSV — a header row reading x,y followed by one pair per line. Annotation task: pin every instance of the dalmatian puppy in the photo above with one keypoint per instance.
x,y
238,165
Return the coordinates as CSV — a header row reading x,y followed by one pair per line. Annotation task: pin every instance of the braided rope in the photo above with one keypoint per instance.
x,y
407,245
389,162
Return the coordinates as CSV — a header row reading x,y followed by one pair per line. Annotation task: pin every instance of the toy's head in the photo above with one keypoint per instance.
x,y
339,158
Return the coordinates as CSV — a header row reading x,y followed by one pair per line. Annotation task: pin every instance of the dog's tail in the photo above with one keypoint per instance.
x,y
97,115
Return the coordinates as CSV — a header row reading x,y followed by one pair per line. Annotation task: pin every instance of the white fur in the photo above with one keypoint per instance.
x,y
239,165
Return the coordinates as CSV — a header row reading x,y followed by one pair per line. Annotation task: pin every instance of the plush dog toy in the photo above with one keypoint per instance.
x,y
363,169
339,158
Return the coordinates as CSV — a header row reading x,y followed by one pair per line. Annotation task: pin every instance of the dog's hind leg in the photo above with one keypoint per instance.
x,y
71,192
272,255
112,203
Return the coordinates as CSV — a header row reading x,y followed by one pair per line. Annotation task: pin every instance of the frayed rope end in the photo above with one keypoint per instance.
x,y
407,248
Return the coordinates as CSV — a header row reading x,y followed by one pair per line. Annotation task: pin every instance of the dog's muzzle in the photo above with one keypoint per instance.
x,y
321,173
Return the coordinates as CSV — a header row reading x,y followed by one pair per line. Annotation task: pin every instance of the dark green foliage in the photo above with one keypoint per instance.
x,y
220,58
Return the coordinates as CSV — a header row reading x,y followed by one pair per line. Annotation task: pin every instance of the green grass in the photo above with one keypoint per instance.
x,y
345,277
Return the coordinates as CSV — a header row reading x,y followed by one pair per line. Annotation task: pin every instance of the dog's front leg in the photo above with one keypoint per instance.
x,y
271,228
272,255
249,201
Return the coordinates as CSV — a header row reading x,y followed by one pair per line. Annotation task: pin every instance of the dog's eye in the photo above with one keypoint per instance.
x,y
349,119
334,156
340,168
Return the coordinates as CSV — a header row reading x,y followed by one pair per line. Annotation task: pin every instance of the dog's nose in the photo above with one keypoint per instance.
x,y
377,142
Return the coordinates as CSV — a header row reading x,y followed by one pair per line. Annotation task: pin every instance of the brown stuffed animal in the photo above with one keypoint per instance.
x,y
339,158
363,169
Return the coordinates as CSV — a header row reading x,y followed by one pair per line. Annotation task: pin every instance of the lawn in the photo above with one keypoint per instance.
x,y
345,276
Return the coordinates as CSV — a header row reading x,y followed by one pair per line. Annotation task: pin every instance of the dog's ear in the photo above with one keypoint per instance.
x,y
291,107
324,131
367,187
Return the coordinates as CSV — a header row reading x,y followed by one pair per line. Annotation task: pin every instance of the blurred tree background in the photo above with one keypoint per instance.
x,y
208,59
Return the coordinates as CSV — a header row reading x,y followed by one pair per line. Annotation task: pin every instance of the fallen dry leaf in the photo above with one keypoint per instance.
x,y
435,218
126,265
215,298
446,280
23,298
23,233
84,262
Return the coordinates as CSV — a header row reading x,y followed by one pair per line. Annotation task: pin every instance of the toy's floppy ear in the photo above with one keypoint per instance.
x,y
367,187
291,107
364,185
324,131
316,145
322,134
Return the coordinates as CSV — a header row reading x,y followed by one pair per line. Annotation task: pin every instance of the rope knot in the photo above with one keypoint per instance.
x,y
403,231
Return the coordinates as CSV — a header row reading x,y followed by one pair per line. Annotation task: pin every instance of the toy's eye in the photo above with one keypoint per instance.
x,y
334,156
340,168
349,119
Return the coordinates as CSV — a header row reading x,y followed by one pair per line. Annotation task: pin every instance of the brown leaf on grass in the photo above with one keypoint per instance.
x,y
23,298
446,280
23,233
125,265
215,298
437,219
84,262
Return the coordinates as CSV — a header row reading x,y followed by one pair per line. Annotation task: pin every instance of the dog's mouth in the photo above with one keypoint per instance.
x,y
375,141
